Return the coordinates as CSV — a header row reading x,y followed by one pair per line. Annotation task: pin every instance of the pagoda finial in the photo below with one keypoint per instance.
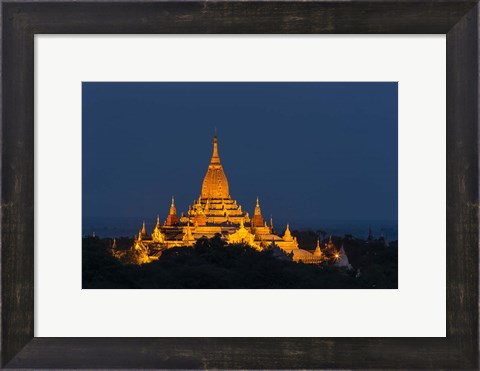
x,y
215,158
287,236
318,251
173,210
257,216
172,218
144,229
257,209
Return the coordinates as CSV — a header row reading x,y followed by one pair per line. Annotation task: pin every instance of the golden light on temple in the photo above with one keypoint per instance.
x,y
215,184
215,212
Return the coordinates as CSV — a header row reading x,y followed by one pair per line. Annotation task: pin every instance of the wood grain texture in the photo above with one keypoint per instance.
x,y
234,17
238,353
17,188
20,21
463,183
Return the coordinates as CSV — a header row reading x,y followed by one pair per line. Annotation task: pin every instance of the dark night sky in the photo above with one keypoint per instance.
x,y
312,152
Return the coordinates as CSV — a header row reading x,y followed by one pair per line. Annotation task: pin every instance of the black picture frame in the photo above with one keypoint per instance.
x,y
21,20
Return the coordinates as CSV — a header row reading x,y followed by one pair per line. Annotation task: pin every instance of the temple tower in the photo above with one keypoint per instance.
x,y
318,251
172,218
157,235
143,232
215,184
257,220
287,236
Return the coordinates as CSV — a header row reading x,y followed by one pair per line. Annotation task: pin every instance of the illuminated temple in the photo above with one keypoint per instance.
x,y
215,212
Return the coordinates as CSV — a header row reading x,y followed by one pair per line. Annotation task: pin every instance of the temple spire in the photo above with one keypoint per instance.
x,y
215,158
257,208
215,184
172,218
173,210
257,216
318,251
287,236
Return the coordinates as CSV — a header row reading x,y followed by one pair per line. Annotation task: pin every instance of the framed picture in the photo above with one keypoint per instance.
x,y
177,199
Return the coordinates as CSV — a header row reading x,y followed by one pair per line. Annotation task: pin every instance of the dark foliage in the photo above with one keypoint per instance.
x,y
375,263
211,264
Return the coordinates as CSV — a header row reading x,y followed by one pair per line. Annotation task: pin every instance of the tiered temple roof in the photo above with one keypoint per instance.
x,y
215,212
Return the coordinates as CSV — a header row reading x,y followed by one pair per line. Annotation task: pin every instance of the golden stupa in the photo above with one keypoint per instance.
x,y
215,212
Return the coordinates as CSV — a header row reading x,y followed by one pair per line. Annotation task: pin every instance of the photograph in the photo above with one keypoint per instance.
x,y
239,185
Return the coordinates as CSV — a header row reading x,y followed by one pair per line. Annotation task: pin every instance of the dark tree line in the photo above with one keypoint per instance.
x,y
211,264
